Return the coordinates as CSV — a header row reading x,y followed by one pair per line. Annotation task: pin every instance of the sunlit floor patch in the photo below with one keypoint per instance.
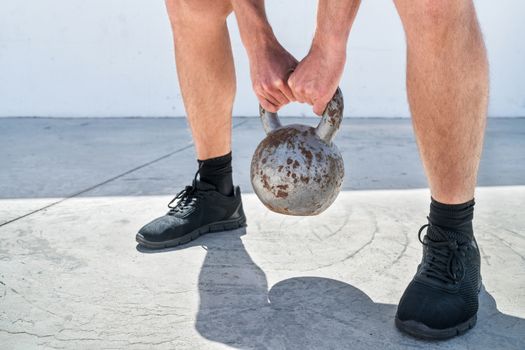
x,y
72,276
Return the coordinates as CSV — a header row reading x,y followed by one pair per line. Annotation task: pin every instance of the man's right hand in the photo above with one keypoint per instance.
x,y
270,67
270,63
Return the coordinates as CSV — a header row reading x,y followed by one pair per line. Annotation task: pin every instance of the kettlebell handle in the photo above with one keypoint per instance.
x,y
328,126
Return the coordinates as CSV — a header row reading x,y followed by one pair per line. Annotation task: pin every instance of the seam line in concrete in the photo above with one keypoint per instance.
x,y
108,180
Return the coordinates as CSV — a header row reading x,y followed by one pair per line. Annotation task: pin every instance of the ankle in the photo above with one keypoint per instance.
x,y
218,172
453,217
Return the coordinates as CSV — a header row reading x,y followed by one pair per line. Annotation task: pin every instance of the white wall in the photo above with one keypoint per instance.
x,y
103,58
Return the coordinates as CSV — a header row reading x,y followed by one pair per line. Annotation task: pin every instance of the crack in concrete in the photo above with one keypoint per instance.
x,y
353,254
27,333
402,252
340,228
508,245
28,301
369,242
484,256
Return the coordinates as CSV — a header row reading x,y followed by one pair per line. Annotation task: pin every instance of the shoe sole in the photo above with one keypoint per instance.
x,y
421,331
219,226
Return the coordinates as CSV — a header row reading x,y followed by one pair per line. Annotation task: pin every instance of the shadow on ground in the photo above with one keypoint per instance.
x,y
237,309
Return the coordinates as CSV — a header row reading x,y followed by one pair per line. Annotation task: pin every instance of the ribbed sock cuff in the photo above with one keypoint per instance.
x,y
217,161
218,172
454,217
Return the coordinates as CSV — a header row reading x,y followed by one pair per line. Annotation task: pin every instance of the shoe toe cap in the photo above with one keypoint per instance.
x,y
160,229
434,308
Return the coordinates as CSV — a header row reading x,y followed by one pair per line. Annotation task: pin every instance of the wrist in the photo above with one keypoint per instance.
x,y
333,48
260,39
330,42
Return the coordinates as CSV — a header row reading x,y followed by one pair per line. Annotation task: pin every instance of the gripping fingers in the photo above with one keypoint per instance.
x,y
287,92
267,105
319,107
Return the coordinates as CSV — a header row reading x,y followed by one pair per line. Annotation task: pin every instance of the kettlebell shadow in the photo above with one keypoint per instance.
x,y
237,309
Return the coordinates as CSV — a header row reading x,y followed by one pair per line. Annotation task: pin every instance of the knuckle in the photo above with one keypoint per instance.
x,y
257,88
309,92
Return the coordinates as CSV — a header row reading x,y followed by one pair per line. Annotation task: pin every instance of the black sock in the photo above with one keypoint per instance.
x,y
218,172
453,217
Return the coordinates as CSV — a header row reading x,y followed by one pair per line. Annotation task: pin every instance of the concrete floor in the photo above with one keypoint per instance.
x,y
73,193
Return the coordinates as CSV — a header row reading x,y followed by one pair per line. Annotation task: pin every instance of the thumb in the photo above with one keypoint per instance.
x,y
319,108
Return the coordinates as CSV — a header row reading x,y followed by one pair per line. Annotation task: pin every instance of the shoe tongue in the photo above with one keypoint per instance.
x,y
201,185
439,234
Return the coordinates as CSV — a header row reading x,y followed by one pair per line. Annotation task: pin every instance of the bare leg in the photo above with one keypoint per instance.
x,y
207,79
447,83
206,71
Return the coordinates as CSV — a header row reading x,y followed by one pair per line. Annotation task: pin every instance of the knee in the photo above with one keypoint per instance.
x,y
198,11
434,18
437,12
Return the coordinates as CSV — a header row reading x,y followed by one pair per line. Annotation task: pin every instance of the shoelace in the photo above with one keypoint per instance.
x,y
186,197
443,258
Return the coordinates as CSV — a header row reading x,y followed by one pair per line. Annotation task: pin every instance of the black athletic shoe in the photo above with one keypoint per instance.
x,y
200,209
442,299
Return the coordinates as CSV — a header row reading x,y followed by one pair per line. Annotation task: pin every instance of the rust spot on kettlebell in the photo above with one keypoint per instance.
x,y
265,182
281,194
306,153
308,156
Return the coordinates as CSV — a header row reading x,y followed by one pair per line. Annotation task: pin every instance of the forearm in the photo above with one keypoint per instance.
x,y
253,24
334,21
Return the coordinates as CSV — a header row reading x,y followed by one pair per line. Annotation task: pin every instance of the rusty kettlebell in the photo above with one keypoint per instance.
x,y
296,169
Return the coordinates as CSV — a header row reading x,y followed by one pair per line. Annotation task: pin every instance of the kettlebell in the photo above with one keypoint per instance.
x,y
297,169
